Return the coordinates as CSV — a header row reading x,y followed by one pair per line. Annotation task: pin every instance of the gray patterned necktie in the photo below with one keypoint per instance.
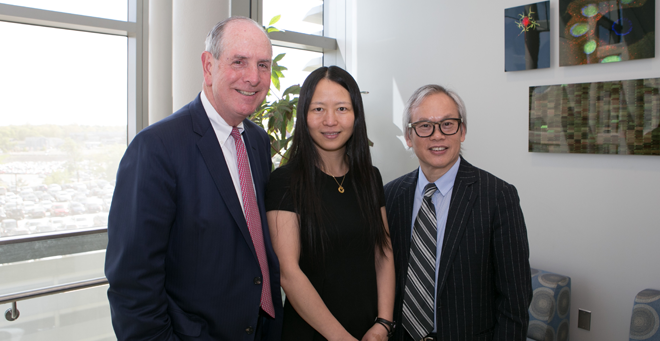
x,y
419,290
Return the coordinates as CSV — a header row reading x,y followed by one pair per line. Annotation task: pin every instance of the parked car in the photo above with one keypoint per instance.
x,y
82,222
14,211
28,206
62,196
70,226
32,225
47,204
79,197
11,228
59,210
80,187
44,226
7,225
54,188
25,192
76,208
57,223
40,188
106,204
45,196
100,220
38,211
30,197
93,205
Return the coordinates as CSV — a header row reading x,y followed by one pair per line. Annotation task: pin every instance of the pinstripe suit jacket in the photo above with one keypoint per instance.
x,y
484,287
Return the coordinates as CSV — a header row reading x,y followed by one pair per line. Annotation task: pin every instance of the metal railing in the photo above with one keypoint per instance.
x,y
12,313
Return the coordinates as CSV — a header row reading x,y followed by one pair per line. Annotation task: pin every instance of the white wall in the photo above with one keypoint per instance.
x,y
591,217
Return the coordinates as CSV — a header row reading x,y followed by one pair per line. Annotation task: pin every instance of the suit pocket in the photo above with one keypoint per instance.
x,y
186,324
485,334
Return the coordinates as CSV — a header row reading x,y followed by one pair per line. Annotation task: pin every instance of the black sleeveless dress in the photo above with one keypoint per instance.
x,y
346,276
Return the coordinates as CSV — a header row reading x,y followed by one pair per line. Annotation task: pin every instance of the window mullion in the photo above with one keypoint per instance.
x,y
40,17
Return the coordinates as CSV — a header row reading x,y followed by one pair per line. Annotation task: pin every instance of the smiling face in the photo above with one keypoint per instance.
x,y
436,153
238,81
330,117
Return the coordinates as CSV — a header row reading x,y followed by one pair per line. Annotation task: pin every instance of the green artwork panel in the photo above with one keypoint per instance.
x,y
618,117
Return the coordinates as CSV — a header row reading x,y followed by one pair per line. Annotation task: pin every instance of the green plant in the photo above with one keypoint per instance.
x,y
277,117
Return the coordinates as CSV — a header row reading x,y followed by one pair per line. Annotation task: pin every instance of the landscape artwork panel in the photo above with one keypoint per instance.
x,y
616,117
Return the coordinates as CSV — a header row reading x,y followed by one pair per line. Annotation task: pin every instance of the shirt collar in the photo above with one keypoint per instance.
x,y
221,127
444,183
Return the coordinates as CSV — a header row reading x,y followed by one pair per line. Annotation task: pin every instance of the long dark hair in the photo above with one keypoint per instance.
x,y
306,176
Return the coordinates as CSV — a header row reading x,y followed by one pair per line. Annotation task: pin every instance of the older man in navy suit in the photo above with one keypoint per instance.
x,y
458,235
189,253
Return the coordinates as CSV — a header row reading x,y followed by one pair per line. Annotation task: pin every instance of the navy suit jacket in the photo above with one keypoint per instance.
x,y
180,260
484,280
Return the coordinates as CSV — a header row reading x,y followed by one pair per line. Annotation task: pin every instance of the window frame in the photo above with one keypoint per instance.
x,y
135,29
327,44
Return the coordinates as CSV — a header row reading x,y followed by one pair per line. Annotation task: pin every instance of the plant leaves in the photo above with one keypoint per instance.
x,y
276,81
293,90
275,20
279,57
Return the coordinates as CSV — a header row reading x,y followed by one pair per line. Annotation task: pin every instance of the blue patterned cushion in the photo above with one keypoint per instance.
x,y
644,321
550,311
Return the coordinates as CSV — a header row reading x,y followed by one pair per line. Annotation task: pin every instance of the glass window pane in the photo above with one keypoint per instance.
x,y
108,9
63,126
302,16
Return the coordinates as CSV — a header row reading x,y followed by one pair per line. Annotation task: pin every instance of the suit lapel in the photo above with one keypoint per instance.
x,y
405,197
463,198
214,159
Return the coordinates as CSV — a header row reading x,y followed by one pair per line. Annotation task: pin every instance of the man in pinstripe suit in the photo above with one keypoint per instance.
x,y
482,287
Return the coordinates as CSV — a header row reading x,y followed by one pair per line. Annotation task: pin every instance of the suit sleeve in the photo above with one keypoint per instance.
x,y
141,215
512,277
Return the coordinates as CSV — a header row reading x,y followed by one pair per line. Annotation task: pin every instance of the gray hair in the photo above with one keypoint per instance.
x,y
425,91
214,40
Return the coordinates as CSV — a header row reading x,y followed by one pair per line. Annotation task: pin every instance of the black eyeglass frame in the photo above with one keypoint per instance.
x,y
413,126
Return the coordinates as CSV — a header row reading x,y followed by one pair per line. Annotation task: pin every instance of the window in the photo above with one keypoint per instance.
x,y
302,16
304,39
70,102
108,9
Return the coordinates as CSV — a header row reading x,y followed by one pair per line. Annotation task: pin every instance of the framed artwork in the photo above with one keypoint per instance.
x,y
527,37
605,31
617,117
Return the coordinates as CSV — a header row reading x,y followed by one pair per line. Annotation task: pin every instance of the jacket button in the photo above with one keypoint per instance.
x,y
257,280
249,330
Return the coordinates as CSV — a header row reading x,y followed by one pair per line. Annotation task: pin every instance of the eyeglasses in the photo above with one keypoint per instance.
x,y
448,126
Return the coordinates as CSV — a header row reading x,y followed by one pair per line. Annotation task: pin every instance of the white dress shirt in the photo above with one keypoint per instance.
x,y
223,133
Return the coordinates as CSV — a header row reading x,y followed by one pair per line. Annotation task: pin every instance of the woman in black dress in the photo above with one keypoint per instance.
x,y
327,220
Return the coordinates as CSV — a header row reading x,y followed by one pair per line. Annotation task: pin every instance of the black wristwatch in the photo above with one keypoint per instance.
x,y
389,325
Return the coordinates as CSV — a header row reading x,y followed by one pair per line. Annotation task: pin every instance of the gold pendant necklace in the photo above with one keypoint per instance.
x,y
341,188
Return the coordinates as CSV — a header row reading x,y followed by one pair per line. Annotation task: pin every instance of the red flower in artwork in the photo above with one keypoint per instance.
x,y
526,22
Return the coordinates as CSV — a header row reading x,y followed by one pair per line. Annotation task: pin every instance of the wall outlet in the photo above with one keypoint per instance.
x,y
584,319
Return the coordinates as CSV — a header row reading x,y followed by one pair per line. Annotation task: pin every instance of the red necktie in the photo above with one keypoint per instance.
x,y
253,220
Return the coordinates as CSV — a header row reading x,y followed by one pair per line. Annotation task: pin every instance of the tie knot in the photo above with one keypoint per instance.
x,y
429,190
235,133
